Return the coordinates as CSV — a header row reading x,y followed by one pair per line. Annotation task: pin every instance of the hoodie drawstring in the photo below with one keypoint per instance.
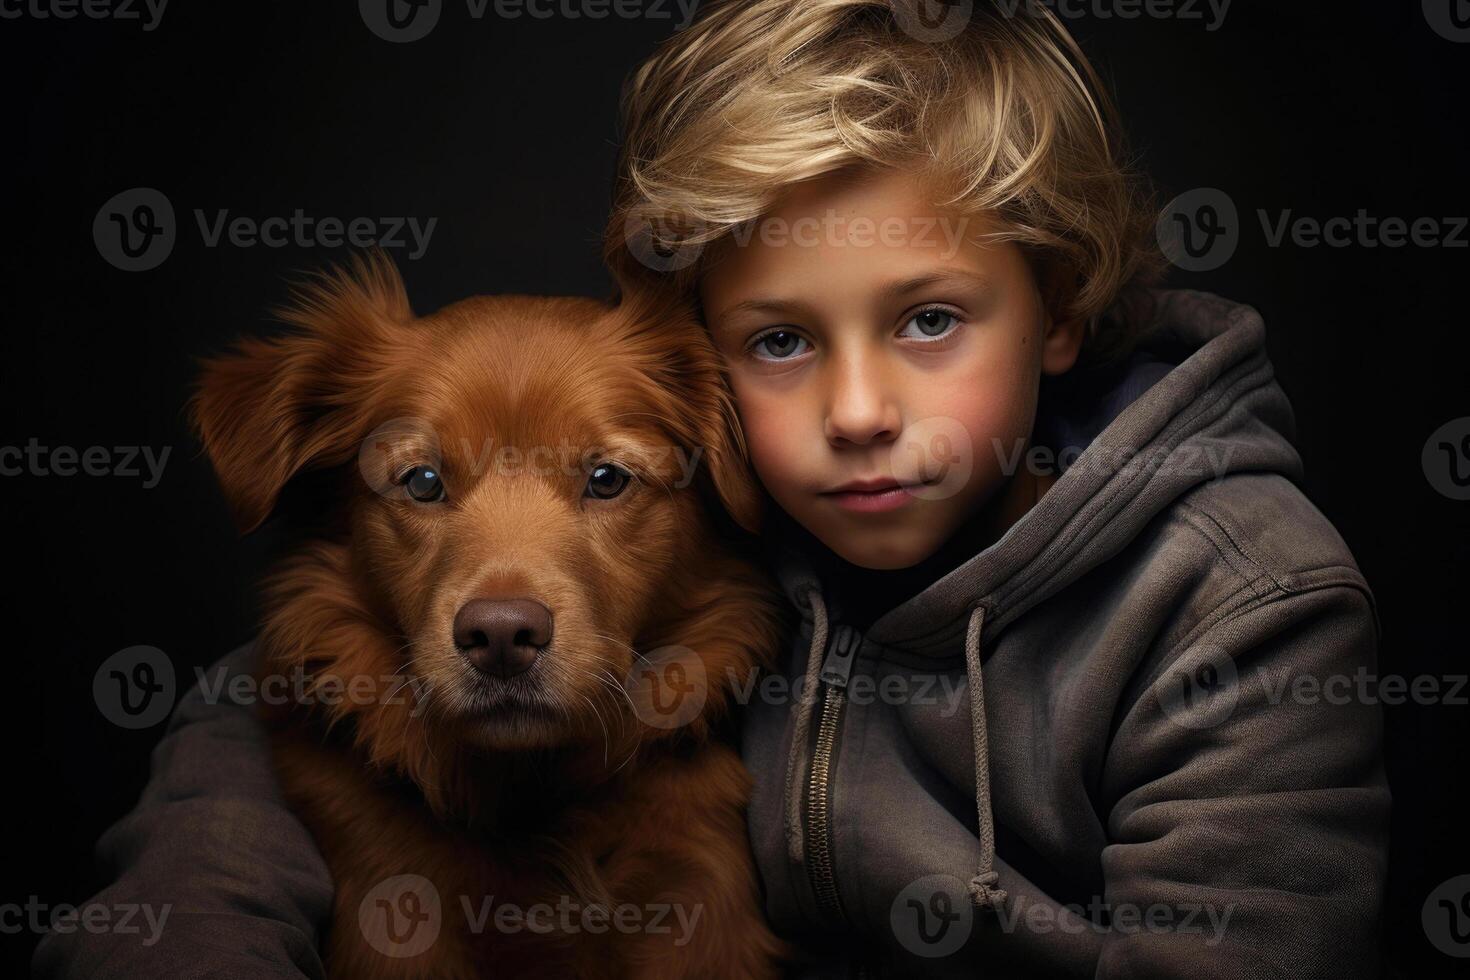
x,y
983,890
795,842
983,886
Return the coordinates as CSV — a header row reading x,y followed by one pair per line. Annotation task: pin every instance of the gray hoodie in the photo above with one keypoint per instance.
x,y
1171,776
1122,741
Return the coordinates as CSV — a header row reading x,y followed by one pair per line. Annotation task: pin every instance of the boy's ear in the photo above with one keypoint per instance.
x,y
700,409
273,408
1061,343
1062,332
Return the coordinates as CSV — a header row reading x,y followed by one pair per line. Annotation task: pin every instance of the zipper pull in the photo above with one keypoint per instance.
x,y
842,648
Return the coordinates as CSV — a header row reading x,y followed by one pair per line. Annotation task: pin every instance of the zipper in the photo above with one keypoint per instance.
x,y
836,669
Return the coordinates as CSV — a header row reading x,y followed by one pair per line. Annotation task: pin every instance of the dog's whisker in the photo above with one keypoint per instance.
x,y
599,676
629,759
611,682
606,737
625,646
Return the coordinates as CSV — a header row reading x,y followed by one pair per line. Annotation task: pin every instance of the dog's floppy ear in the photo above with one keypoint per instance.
x,y
273,408
726,460
699,408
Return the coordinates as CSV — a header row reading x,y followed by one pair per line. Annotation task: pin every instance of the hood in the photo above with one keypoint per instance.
x,y
1195,402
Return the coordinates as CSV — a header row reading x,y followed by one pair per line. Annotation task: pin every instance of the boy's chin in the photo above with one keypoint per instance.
x,y
896,546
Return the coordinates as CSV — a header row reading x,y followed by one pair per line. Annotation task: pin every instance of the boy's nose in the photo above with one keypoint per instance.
x,y
859,408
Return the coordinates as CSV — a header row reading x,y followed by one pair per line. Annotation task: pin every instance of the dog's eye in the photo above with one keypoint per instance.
x,y
607,481
424,485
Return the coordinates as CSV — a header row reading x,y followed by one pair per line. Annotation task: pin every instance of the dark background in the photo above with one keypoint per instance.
x,y
505,130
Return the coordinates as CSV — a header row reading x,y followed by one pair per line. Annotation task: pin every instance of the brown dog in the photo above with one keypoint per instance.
x,y
515,623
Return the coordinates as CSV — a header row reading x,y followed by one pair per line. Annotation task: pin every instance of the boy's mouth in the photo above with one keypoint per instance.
x,y
872,495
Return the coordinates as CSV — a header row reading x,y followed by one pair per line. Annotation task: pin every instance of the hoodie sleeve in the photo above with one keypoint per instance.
x,y
1249,785
227,880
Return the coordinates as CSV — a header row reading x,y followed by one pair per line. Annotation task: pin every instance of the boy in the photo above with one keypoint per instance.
x,y
1053,578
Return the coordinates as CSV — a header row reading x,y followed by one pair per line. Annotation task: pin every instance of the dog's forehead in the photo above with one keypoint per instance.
x,y
534,371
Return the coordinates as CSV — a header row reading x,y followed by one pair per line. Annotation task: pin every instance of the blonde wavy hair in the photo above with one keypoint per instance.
x,y
998,112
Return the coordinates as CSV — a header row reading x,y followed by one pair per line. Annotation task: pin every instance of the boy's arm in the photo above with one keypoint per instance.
x,y
1262,803
225,879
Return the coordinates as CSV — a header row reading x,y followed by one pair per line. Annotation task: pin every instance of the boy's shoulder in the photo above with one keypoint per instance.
x,y
1250,538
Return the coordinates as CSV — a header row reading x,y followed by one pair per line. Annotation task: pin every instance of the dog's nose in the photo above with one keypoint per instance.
x,y
502,636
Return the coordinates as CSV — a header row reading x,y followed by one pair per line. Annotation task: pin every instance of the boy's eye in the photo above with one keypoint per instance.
x,y
930,324
779,345
424,484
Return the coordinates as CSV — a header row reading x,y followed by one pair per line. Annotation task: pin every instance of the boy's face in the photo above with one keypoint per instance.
x,y
870,341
